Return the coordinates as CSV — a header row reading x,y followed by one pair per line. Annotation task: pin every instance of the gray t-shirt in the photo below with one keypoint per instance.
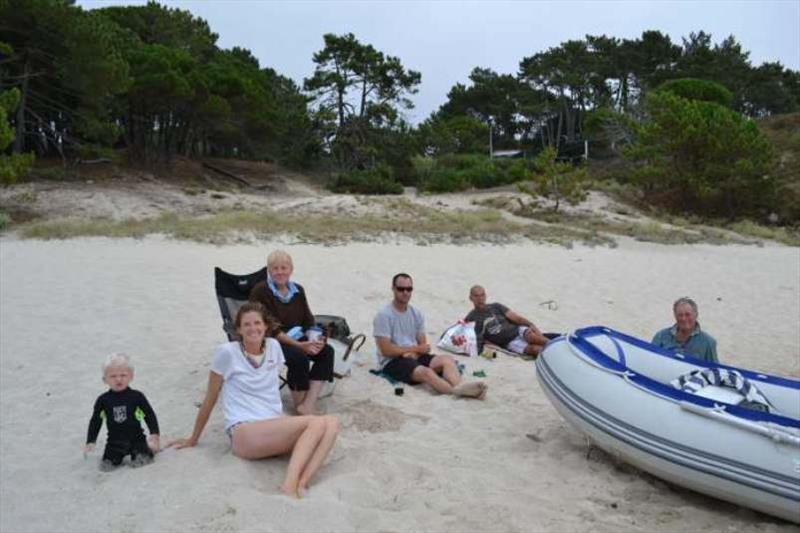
x,y
492,325
401,328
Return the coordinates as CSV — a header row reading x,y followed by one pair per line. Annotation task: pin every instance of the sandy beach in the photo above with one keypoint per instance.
x,y
417,462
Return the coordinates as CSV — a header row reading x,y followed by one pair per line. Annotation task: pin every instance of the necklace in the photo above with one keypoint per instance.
x,y
254,359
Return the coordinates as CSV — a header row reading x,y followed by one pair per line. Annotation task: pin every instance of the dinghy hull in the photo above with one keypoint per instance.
x,y
754,462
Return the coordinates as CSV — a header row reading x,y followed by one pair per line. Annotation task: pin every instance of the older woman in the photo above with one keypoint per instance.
x,y
685,335
286,301
251,400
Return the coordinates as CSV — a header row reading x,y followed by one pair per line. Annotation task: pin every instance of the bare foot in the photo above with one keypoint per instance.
x,y
471,389
303,409
291,491
482,395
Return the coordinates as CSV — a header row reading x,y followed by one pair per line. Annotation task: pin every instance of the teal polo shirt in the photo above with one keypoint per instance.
x,y
699,344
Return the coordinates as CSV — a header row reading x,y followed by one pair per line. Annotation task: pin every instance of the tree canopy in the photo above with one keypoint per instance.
x,y
152,80
148,77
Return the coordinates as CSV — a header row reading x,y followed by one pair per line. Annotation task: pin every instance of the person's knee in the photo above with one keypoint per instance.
x,y
447,362
533,349
318,424
423,374
332,424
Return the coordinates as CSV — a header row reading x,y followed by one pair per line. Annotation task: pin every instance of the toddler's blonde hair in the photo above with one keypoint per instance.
x,y
116,360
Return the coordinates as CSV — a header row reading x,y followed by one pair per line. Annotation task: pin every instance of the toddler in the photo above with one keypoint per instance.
x,y
123,409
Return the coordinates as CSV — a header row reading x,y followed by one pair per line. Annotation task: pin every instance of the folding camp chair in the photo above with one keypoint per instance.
x,y
233,291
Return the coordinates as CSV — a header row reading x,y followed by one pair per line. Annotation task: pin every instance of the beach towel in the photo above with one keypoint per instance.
x,y
699,379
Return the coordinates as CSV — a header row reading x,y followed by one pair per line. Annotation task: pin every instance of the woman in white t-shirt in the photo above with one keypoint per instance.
x,y
247,373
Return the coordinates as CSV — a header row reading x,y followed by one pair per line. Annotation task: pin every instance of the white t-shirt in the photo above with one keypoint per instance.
x,y
249,394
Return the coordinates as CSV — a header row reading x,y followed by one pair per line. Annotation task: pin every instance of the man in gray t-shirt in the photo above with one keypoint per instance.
x,y
499,325
399,331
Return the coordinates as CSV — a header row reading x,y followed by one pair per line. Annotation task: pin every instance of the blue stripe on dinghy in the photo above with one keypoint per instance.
x,y
620,351
667,450
757,376
597,355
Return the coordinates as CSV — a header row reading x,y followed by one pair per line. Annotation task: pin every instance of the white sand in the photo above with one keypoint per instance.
x,y
411,463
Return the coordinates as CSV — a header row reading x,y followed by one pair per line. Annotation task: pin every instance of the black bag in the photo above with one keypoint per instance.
x,y
335,327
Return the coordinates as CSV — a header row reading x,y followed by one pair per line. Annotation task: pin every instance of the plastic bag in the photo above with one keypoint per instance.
x,y
460,339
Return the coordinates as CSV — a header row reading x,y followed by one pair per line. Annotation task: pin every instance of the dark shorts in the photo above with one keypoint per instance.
x,y
116,450
401,368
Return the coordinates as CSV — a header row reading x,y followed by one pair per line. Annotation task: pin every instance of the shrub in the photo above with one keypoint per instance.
x,y
558,180
702,90
457,172
423,167
378,180
443,180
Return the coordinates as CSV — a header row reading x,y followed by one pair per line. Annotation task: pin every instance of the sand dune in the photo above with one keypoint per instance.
x,y
410,463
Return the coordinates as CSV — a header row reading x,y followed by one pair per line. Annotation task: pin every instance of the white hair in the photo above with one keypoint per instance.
x,y
279,256
116,360
685,300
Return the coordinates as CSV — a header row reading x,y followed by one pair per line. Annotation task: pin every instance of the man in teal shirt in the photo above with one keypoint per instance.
x,y
685,335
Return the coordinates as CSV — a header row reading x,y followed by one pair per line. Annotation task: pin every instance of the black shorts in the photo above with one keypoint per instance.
x,y
116,450
401,368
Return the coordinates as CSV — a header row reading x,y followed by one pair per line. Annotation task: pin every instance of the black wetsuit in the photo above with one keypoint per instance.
x,y
123,412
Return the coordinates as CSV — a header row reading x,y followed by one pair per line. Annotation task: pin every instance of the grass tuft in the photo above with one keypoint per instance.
x,y
416,222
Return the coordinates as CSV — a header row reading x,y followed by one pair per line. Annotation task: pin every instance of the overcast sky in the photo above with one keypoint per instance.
x,y
445,40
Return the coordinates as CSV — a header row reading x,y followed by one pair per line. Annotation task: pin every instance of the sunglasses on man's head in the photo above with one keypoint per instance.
x,y
403,289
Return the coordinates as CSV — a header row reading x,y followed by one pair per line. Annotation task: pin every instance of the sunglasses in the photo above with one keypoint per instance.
x,y
403,289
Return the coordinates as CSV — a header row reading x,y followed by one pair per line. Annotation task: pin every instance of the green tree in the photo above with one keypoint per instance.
x,y
348,71
67,68
709,158
15,165
461,134
365,90
557,180
497,100
566,73
189,97
772,89
703,90
653,57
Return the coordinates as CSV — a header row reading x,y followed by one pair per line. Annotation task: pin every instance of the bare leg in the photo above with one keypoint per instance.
x,y
298,396
320,453
423,374
308,404
446,365
302,452
535,337
267,438
533,349
299,435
